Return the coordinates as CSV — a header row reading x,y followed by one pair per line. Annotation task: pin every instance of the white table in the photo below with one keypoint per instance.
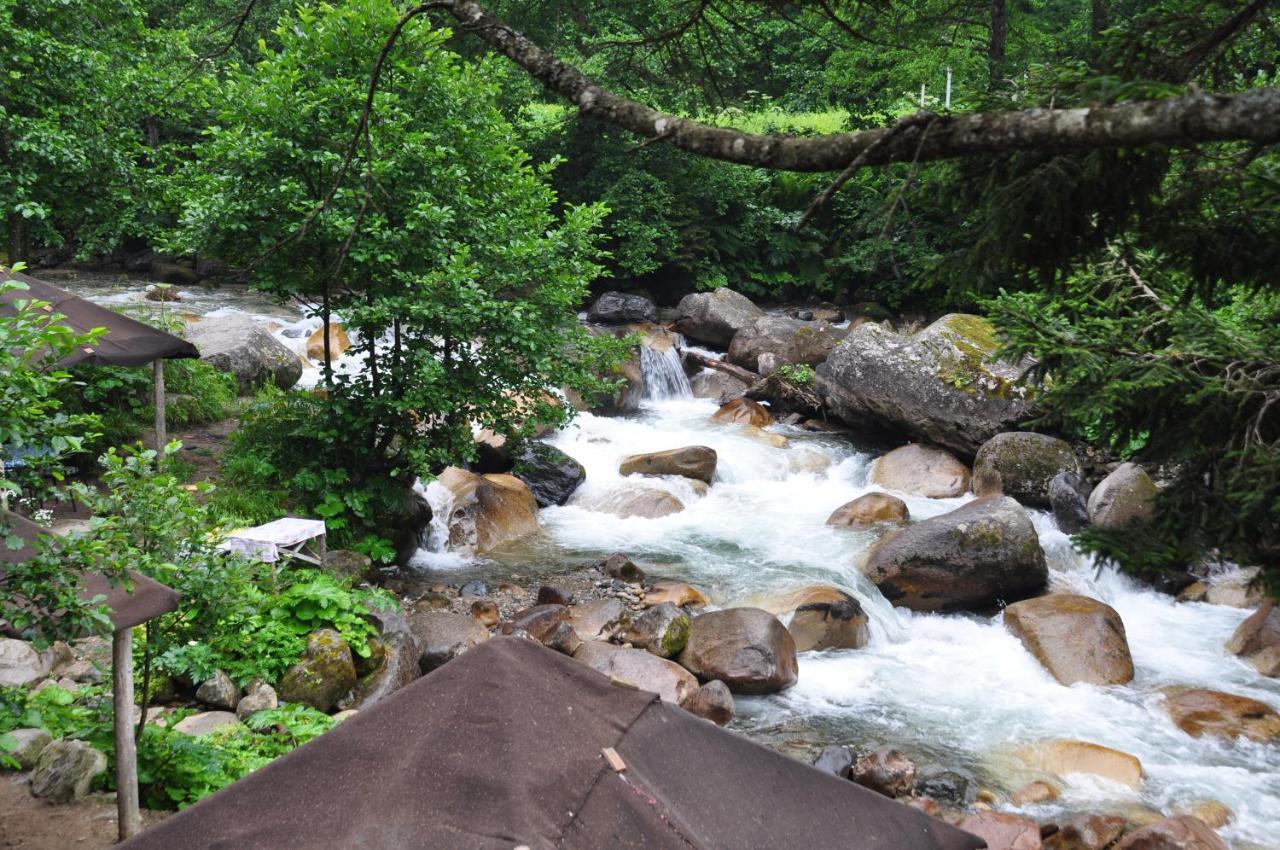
x,y
282,538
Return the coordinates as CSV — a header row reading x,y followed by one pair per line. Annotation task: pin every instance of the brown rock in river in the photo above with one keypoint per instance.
x,y
1125,497
644,670
1087,832
1002,831
1180,833
488,511
922,471
746,648
677,593
820,616
713,702
743,411
599,619
1257,639
870,509
1076,638
886,771
697,462
1063,757
1021,464
1198,711
339,342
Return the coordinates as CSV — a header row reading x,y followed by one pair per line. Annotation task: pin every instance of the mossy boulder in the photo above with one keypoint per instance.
x,y
970,559
790,340
325,674
943,384
662,630
1022,465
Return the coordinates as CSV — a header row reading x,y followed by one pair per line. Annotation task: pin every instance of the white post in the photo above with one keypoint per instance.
x,y
948,102
130,820
922,96
161,435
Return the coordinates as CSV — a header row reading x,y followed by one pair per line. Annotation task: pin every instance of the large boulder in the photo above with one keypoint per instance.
x,y
697,462
621,308
1180,833
969,559
746,648
717,386
1126,496
820,616
1002,831
20,664
65,771
886,771
325,674
1064,757
443,636
791,340
1257,639
1198,711
743,411
239,345
644,670
713,701
550,474
398,665
1022,465
1069,498
633,501
1076,638
869,510
714,317
942,384
219,691
599,619
487,511
922,471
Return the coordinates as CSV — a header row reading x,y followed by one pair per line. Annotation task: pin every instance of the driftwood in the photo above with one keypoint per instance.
x,y
786,396
745,375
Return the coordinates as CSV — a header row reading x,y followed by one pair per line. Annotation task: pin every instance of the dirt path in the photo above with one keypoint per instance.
x,y
32,824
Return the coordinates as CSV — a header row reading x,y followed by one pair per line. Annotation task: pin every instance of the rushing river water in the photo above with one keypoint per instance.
x,y
955,690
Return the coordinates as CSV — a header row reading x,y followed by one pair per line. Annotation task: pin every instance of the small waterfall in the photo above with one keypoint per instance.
x,y
433,541
663,372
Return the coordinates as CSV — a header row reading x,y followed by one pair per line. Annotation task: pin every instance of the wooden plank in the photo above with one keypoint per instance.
x,y
615,760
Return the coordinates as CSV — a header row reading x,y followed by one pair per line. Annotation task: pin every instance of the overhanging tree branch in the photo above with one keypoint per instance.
x,y
1189,119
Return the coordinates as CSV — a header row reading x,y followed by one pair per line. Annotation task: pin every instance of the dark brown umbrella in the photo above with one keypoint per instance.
x,y
503,747
127,341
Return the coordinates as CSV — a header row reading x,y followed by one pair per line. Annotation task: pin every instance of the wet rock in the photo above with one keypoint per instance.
x,y
869,510
743,411
1034,792
1087,832
20,665
239,345
27,746
548,595
922,471
65,771
398,666
1076,638
485,613
599,619
1002,831
1179,833
837,761
972,558
620,566
162,292
717,386
943,384
339,342
662,630
714,317
347,564
677,593
821,617
746,648
1069,498
538,621
1126,496
886,771
1021,464
620,308
1238,588
262,698
1198,712
443,636
1212,813
1063,757
489,511
475,587
324,675
205,722
1257,639
644,670
634,501
219,691
791,340
946,786
562,638
697,462
551,475
713,701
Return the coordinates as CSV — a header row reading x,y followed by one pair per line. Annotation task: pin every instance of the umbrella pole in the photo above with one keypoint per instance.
x,y
161,437
130,820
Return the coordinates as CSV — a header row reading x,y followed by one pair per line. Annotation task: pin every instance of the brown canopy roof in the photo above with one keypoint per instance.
x,y
501,747
145,598
127,341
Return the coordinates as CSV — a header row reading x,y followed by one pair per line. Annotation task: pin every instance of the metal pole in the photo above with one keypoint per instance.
x,y
130,820
948,103
922,95
161,435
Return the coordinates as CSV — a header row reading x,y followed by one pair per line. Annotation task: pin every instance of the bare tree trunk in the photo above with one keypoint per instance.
x,y
996,45
1099,19
324,330
129,818
1252,115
